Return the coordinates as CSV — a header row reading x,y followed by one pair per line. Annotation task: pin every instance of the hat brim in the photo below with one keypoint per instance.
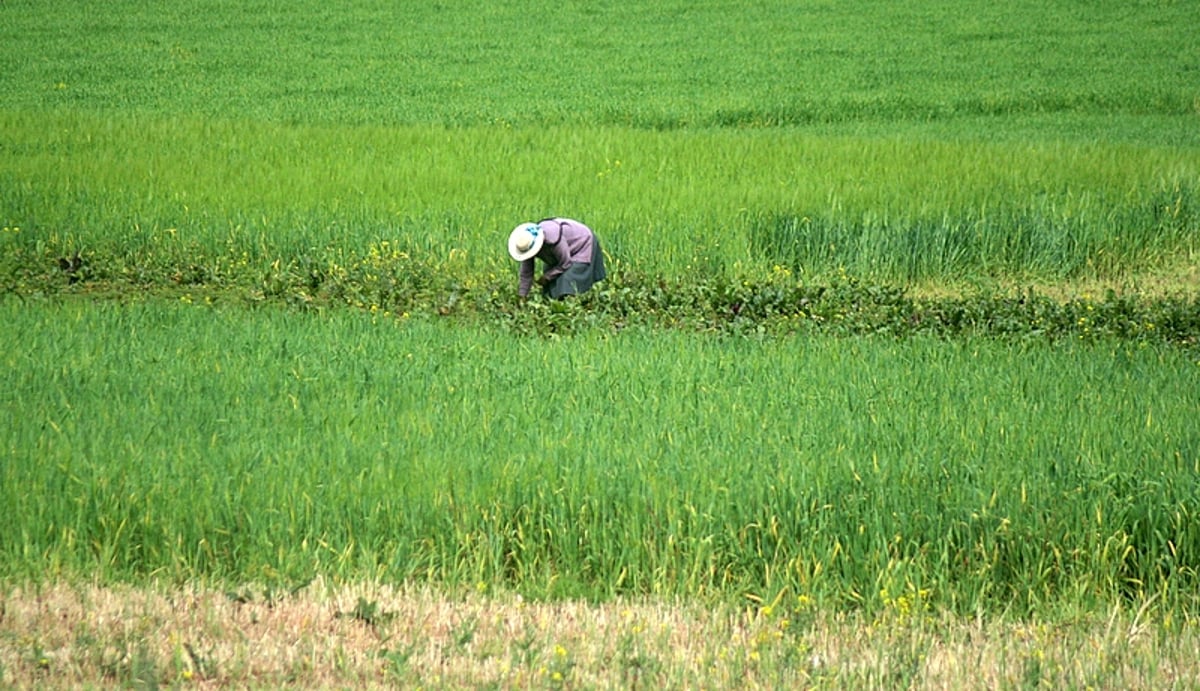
x,y
538,241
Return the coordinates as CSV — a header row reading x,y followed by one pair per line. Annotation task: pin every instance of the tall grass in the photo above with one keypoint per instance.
x,y
726,201
225,444
900,140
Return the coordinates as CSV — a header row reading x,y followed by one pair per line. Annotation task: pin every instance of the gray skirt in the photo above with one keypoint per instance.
x,y
578,278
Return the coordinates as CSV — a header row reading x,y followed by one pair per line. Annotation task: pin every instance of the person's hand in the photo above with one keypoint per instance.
x,y
542,281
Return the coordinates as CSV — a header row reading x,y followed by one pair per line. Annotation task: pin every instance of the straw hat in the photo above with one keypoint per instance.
x,y
525,241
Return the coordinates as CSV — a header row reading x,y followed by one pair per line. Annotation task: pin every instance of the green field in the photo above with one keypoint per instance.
x,y
675,65
901,141
902,321
198,443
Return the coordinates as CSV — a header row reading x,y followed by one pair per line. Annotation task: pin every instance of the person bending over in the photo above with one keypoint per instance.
x,y
569,250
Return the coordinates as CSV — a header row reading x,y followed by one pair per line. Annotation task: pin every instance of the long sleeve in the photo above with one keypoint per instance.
x,y
526,272
567,242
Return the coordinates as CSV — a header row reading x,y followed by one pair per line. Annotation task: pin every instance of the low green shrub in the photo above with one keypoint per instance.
x,y
392,281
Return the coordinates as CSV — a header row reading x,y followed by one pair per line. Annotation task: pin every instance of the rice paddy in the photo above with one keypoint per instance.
x,y
896,366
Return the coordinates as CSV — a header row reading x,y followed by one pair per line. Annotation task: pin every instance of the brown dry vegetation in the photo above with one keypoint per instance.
x,y
55,636
1177,279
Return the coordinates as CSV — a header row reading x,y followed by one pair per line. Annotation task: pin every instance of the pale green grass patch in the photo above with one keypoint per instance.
x,y
675,203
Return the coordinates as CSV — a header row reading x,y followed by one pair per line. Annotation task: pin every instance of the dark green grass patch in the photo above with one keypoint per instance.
x,y
391,282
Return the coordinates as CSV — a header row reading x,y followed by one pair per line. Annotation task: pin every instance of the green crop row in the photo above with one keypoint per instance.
x,y
662,65
154,442
731,203
392,283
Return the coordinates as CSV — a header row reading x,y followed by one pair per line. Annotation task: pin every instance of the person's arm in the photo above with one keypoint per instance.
x,y
526,282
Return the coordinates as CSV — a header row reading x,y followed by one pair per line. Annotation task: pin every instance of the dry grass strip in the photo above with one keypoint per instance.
x,y
377,636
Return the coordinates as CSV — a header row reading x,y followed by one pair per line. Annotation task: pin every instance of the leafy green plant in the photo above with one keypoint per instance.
x,y
370,613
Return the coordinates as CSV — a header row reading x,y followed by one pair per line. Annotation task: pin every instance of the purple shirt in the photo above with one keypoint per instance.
x,y
567,242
